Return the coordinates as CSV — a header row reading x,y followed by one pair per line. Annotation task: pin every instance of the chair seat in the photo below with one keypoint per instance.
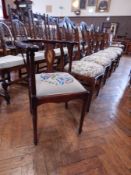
x,y
56,84
111,53
105,55
108,54
10,61
89,69
116,49
104,61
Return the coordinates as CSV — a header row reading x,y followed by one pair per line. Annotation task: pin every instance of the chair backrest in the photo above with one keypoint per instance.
x,y
25,20
72,34
6,37
38,26
52,28
87,37
84,30
61,28
19,29
105,41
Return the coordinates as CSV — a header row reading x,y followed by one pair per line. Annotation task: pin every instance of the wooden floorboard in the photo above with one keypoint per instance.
x,y
103,148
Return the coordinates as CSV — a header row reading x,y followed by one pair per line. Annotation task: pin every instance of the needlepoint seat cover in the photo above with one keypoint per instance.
x,y
89,69
97,59
56,84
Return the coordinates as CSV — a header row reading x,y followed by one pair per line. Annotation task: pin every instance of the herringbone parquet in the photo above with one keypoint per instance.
x,y
103,148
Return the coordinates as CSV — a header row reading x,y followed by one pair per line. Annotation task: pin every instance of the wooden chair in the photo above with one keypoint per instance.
x,y
89,73
8,61
112,54
52,87
93,47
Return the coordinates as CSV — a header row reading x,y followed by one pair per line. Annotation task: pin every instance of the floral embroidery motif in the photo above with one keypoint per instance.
x,y
97,59
56,79
90,69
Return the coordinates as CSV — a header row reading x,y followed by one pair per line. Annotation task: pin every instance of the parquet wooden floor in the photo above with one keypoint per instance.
x,y
103,148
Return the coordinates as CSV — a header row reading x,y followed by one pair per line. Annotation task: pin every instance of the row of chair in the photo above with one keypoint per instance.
x,y
60,86
64,50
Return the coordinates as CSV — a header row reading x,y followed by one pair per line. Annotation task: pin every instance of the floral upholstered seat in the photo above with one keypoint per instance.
x,y
104,61
116,50
56,83
84,68
109,54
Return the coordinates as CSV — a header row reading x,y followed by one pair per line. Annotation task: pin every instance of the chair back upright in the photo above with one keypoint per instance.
x,y
19,30
6,38
87,37
97,41
72,34
105,41
39,28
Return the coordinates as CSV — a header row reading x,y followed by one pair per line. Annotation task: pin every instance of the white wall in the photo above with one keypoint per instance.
x,y
117,8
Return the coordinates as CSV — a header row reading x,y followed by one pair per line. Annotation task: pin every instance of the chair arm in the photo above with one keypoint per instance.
x,y
49,41
26,46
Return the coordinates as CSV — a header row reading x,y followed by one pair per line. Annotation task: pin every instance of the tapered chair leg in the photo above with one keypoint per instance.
x,y
112,68
82,115
99,86
117,63
30,101
106,75
34,120
90,96
89,101
9,77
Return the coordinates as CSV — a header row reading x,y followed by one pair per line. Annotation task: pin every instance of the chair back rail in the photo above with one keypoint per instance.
x,y
6,38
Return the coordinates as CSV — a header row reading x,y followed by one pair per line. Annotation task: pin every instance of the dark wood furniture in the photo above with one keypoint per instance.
x,y
42,91
82,70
